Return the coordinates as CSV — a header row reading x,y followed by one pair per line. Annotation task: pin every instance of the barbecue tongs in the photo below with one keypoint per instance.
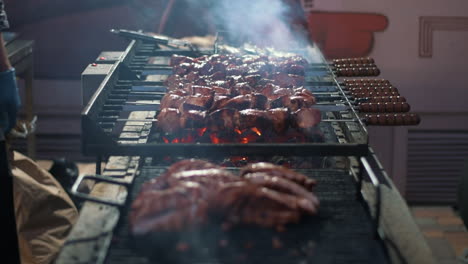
x,y
154,38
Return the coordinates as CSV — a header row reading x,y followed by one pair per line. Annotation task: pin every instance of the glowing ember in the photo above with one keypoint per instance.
x,y
238,131
201,131
254,129
244,140
239,159
214,138
188,139
165,140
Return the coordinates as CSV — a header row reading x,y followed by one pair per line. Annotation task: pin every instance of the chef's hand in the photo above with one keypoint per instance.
x,y
9,100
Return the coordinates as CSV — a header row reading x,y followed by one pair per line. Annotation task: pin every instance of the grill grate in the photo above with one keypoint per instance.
x,y
341,233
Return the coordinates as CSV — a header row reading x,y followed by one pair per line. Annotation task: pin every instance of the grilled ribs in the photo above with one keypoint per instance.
x,y
192,193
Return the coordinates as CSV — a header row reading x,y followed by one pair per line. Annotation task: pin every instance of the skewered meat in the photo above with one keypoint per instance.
x,y
279,117
214,84
168,120
306,118
197,102
254,118
239,102
171,100
192,119
193,193
225,119
199,89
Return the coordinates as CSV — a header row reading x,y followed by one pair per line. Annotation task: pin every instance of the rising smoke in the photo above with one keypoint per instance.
x,y
266,23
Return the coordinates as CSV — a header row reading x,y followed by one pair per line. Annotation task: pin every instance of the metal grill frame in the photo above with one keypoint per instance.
x,y
366,169
98,143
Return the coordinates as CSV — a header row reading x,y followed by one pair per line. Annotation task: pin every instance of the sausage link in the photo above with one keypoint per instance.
x,y
388,89
392,119
387,107
383,99
374,94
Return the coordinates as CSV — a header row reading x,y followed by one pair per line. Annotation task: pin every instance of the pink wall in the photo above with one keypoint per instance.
x,y
436,87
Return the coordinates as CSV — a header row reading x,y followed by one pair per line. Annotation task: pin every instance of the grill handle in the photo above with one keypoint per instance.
x,y
98,178
392,119
387,107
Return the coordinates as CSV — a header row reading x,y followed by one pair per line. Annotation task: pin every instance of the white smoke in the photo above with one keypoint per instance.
x,y
264,23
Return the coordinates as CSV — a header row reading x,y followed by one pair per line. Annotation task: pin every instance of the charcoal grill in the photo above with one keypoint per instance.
x,y
107,111
347,229
341,233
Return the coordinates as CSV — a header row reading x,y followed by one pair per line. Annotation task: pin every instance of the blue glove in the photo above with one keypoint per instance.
x,y
9,100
